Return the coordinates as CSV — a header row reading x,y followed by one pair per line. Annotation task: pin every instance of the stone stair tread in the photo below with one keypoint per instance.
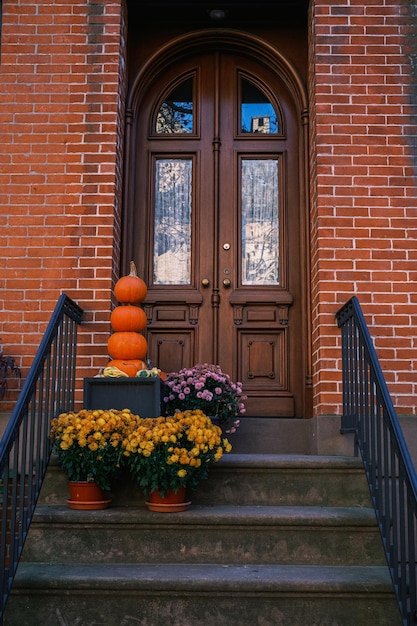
x,y
251,479
290,461
177,577
252,458
244,515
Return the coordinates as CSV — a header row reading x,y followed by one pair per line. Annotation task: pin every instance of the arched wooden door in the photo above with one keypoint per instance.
x,y
214,224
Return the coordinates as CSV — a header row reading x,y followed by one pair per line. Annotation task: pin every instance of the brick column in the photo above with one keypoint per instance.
x,y
62,81
364,219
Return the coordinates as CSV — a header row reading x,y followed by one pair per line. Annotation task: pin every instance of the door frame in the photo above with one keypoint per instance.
x,y
251,46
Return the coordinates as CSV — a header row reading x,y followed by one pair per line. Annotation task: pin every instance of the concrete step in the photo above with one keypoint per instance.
x,y
218,534
252,479
199,594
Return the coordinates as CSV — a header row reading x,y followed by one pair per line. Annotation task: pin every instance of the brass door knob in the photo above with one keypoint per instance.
x,y
226,283
205,282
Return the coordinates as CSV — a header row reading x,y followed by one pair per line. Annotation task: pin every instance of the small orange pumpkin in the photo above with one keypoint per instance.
x,y
130,289
129,318
129,367
127,345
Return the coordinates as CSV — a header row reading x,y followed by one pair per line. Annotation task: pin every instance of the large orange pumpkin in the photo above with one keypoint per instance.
x,y
130,289
127,345
128,318
129,367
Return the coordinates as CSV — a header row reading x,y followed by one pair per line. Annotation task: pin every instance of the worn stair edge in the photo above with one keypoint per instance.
x,y
305,461
204,578
290,461
322,516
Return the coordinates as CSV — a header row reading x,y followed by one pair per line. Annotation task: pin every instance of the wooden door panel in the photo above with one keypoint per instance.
x,y
263,404
263,358
171,350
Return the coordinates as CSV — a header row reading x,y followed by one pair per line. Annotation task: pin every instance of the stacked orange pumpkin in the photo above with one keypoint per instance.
x,y
126,346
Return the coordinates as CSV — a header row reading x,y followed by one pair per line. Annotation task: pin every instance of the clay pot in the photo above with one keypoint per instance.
x,y
170,503
86,496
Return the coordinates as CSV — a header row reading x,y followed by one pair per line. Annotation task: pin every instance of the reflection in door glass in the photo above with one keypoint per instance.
x,y
172,229
176,112
257,113
260,222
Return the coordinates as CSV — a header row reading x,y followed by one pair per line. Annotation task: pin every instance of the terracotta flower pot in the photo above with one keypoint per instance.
x,y
170,503
86,495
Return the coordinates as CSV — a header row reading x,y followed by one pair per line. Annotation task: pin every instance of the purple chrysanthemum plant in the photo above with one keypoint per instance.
x,y
208,388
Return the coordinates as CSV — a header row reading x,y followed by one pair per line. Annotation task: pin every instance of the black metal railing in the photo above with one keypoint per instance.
x,y
25,446
368,411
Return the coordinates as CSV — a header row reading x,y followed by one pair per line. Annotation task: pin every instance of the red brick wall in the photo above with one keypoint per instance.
x,y
62,78
364,188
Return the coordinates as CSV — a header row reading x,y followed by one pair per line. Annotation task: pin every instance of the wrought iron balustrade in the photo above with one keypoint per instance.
x,y
25,446
368,412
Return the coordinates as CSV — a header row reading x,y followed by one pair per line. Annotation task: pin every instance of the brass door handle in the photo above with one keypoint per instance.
x,y
205,282
226,283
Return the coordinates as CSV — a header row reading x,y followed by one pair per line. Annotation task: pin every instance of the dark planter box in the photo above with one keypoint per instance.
x,y
141,395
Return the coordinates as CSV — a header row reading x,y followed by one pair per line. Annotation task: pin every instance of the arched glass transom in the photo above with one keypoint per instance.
x,y
176,113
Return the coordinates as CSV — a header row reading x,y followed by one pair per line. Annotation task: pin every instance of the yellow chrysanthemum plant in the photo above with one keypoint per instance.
x,y
167,453
89,444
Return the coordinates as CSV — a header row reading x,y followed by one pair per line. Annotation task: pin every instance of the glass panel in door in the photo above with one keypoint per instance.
x,y
176,113
257,113
172,222
260,222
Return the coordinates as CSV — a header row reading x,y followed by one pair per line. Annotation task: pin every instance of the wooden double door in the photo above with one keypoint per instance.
x,y
214,224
